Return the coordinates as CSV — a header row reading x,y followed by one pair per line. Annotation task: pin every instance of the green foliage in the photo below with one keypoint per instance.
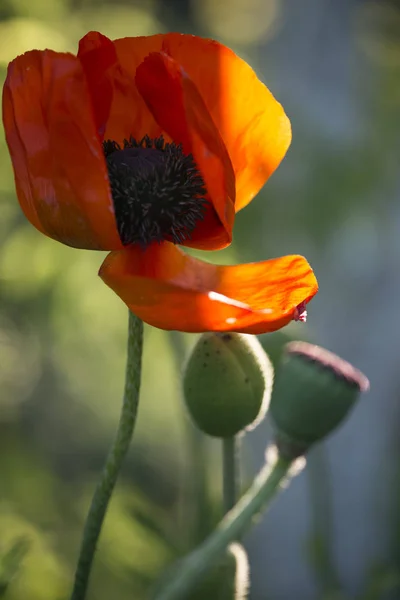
x,y
10,563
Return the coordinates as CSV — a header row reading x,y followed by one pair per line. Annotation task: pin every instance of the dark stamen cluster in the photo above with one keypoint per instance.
x,y
157,190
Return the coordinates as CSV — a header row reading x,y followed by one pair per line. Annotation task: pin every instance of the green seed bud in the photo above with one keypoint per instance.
x,y
227,383
228,579
313,393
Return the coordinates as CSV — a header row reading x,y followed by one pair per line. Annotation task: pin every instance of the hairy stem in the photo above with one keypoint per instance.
x,y
258,498
230,469
112,467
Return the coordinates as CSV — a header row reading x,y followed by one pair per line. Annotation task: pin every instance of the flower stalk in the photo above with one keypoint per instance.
x,y
230,468
320,495
265,487
112,467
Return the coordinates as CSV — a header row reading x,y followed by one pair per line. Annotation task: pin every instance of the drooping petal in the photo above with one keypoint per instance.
x,y
60,172
179,109
171,290
119,108
253,125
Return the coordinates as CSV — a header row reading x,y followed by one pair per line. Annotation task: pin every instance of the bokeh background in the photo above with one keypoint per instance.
x,y
335,66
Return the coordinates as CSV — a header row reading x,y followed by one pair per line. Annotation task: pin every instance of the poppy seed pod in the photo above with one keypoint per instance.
x,y
227,383
313,393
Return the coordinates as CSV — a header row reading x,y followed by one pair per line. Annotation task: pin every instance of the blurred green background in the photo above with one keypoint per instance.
x,y
335,66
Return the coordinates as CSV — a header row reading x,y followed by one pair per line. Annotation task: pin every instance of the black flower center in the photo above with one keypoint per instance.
x,y
157,190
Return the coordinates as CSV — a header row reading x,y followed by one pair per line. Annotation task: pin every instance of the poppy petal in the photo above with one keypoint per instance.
x,y
171,290
99,60
60,172
253,125
119,108
179,109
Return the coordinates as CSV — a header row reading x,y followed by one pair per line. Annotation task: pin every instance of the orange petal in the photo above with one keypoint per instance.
x,y
99,61
253,125
171,290
119,108
60,173
179,109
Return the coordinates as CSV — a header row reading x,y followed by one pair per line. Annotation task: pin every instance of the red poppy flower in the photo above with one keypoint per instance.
x,y
140,144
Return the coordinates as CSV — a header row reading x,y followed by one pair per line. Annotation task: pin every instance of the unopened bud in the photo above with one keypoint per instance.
x,y
313,393
227,383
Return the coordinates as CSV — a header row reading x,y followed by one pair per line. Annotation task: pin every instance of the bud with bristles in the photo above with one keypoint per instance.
x,y
227,383
313,393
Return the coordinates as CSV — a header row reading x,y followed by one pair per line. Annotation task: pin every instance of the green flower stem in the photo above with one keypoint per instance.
x,y
197,510
230,466
264,488
105,487
194,507
320,493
